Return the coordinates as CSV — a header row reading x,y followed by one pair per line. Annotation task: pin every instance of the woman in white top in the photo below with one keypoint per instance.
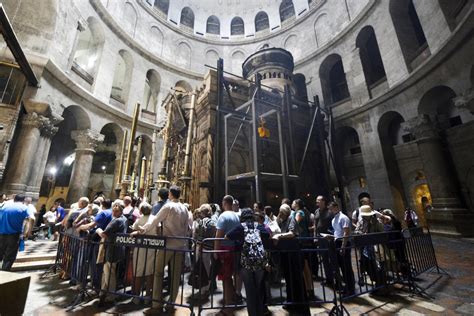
x,y
143,258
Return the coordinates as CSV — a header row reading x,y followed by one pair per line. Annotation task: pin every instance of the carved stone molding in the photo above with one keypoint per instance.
x,y
87,140
421,126
465,100
48,129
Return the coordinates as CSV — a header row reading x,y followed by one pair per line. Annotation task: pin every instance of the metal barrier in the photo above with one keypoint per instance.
x,y
302,263
304,272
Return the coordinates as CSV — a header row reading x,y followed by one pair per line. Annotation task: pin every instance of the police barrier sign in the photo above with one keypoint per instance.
x,y
144,241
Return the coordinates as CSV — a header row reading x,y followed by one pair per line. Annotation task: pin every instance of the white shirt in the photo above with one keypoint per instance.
x,y
174,220
31,210
339,222
50,217
140,222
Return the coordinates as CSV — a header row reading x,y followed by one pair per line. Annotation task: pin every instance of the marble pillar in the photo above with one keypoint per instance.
x,y
448,215
25,154
86,143
47,132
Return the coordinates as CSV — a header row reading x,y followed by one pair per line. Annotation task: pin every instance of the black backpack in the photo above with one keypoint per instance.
x,y
253,256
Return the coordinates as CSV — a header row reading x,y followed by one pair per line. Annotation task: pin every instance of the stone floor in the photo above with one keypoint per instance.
x,y
454,295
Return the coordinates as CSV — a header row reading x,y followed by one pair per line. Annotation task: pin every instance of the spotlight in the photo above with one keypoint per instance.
x,y
53,171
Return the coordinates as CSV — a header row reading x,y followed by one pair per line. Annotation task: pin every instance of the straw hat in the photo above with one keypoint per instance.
x,y
366,210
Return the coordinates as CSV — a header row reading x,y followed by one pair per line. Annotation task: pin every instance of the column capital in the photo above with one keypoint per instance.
x,y
48,129
465,100
33,120
87,140
421,126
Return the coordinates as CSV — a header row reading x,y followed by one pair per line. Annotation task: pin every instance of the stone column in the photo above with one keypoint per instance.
x,y
86,143
25,153
448,214
47,132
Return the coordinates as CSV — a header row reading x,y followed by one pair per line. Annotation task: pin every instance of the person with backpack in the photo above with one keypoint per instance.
x,y
254,260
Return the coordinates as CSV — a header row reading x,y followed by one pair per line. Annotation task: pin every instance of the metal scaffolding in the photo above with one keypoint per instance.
x,y
272,105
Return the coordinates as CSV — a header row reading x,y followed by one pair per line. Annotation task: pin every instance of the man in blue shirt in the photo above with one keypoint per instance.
x,y
227,221
60,213
12,217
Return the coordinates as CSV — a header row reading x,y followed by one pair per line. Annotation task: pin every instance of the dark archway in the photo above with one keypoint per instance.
x,y
409,32
350,162
438,104
370,58
333,80
391,133
62,151
106,160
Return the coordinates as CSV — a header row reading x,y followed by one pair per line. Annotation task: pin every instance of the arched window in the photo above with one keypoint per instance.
x,y
156,37
409,31
287,10
152,89
122,75
237,26
183,55
453,11
129,18
261,21
333,80
369,52
211,57
438,104
187,17
213,26
89,47
238,58
163,5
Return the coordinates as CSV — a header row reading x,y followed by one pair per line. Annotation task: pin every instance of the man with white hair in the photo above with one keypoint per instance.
x,y
76,214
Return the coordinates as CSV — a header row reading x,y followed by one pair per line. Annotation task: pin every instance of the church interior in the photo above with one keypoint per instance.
x,y
261,99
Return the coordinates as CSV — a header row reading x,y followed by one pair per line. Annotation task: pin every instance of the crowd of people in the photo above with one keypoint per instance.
x,y
234,245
